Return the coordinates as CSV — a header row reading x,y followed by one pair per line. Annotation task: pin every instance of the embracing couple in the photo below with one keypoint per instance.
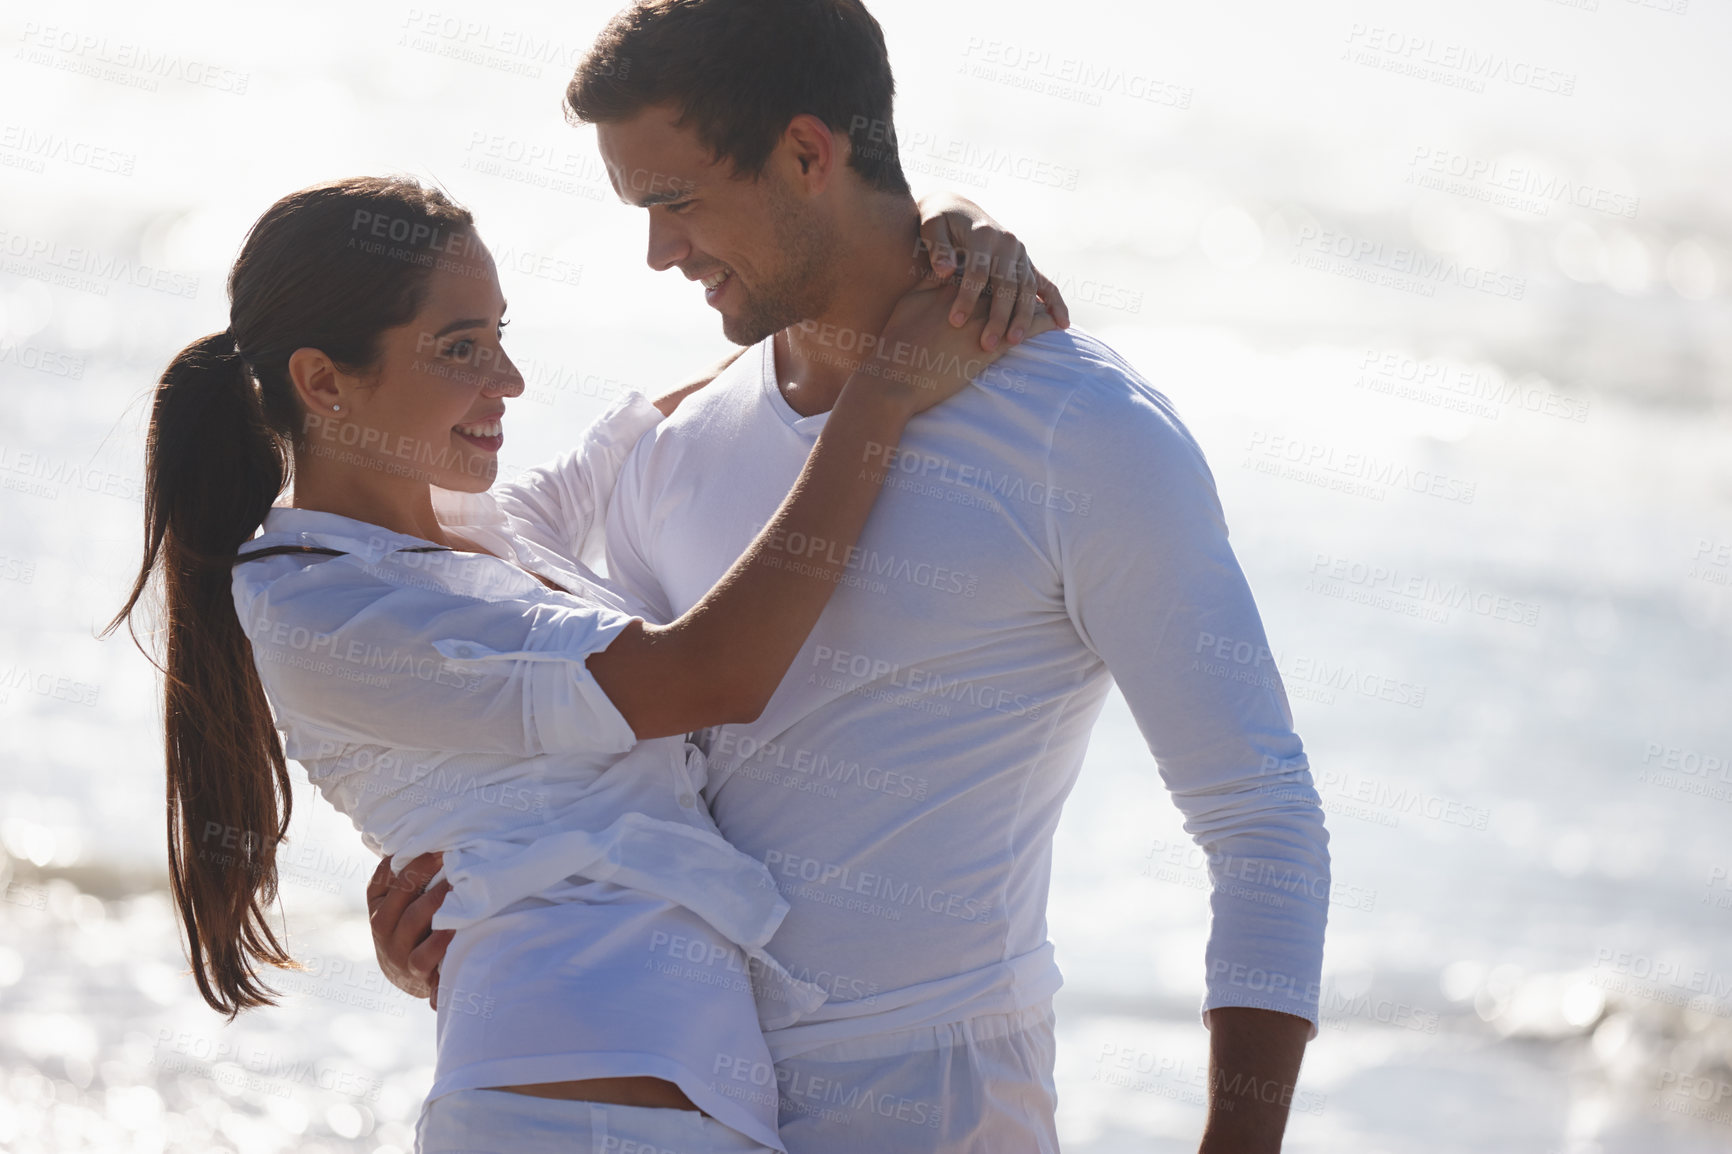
x,y
746,844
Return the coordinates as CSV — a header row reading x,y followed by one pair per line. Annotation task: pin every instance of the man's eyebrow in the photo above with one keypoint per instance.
x,y
652,199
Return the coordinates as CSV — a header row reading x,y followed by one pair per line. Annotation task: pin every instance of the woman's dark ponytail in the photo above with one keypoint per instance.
x,y
214,467
223,428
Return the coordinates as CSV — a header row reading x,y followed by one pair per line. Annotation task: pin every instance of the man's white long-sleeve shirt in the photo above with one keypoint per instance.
x,y
1051,530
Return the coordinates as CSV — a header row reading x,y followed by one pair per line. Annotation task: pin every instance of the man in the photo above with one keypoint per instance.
x,y
1051,531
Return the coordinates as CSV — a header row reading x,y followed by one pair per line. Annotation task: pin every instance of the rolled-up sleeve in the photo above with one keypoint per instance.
x,y
1155,590
347,656
563,503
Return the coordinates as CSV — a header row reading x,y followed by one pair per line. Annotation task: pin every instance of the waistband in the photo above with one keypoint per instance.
x,y
477,1121
920,1039
1016,986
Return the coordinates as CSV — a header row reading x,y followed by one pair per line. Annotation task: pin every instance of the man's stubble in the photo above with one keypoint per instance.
x,y
804,281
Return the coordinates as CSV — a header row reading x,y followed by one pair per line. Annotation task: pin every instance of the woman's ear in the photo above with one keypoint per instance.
x,y
317,382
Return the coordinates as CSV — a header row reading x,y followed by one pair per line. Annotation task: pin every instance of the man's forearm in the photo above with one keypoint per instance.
x,y
1254,1060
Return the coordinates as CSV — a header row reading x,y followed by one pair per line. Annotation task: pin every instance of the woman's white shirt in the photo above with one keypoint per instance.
x,y
441,700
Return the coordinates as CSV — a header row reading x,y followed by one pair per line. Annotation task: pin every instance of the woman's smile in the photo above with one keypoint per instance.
x,y
487,435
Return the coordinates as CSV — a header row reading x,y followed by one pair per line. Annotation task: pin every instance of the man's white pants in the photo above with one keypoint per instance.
x,y
980,1086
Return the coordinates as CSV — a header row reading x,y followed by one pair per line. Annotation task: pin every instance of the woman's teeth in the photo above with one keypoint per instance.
x,y
484,429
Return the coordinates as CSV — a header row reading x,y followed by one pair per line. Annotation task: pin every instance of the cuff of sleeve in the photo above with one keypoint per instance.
x,y
565,708
627,420
1297,1006
571,711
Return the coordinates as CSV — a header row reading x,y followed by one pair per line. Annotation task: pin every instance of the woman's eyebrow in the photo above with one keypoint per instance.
x,y
469,322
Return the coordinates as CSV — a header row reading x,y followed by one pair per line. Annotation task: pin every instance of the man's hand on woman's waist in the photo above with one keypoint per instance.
x,y
400,909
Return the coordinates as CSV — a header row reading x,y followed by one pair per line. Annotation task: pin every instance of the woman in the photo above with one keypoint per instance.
x,y
453,678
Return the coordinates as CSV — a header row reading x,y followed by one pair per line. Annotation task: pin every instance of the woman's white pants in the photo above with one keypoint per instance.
x,y
500,1122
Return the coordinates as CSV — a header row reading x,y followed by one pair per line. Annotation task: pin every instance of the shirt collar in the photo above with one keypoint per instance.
x,y
287,525
808,427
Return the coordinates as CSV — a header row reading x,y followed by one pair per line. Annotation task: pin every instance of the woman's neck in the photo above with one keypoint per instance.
x,y
401,505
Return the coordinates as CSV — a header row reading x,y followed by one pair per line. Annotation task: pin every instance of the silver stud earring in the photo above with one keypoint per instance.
x,y
336,408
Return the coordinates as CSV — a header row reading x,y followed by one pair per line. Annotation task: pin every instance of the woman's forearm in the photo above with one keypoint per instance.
x,y
721,660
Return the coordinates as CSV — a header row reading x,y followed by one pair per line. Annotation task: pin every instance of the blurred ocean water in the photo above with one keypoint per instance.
x,y
1443,292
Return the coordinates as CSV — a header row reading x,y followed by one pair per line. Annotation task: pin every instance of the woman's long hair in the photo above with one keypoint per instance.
x,y
330,268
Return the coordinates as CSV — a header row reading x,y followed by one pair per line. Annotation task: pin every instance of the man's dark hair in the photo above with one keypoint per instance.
x,y
740,70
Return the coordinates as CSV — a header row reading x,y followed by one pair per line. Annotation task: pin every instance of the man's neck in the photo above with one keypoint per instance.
x,y
878,264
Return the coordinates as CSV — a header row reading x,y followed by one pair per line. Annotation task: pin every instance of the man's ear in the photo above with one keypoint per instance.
x,y
813,151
